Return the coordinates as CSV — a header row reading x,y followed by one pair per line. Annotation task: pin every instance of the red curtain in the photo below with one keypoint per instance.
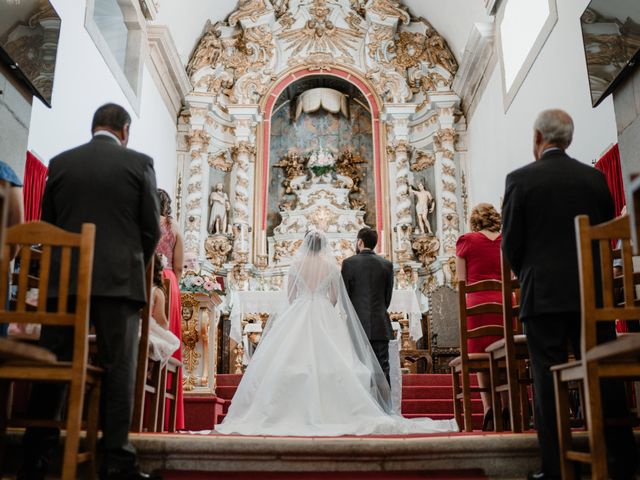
x,y
609,164
35,177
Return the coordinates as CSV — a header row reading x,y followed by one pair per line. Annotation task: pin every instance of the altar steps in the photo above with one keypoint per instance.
x,y
424,395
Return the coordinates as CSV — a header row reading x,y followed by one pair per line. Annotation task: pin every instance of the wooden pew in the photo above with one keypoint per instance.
x,y
467,363
77,373
512,352
615,359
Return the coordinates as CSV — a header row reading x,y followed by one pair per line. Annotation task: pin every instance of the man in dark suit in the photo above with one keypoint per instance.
x,y
541,201
104,183
369,282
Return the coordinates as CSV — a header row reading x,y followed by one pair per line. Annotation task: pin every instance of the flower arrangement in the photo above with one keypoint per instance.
x,y
200,282
322,162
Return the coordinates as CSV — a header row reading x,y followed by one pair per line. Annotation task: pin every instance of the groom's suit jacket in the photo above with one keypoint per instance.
x,y
369,281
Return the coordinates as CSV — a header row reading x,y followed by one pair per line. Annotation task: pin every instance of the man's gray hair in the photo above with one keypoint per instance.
x,y
556,127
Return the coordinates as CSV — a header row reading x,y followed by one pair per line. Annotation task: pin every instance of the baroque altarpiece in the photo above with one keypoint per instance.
x,y
332,114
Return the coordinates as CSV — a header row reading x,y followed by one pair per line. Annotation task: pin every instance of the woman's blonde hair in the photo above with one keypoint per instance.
x,y
484,216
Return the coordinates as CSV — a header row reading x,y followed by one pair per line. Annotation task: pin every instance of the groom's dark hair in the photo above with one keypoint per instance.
x,y
369,237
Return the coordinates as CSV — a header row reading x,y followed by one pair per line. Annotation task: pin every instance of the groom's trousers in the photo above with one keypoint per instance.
x,y
381,350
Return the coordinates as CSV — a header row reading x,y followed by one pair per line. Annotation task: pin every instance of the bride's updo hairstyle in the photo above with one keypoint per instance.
x,y
313,241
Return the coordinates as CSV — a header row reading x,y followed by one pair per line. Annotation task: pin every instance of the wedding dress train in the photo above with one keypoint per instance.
x,y
314,372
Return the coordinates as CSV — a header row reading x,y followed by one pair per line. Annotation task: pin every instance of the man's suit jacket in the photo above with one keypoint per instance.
x,y
541,201
114,188
369,282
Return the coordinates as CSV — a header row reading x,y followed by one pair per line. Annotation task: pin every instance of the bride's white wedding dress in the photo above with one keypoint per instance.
x,y
314,372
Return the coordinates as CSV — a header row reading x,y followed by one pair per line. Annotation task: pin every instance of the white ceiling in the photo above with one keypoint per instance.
x,y
452,18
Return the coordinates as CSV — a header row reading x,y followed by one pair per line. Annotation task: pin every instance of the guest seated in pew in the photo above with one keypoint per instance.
x,y
541,201
171,248
162,343
477,259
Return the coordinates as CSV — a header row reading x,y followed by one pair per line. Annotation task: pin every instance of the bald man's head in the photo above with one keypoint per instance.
x,y
553,128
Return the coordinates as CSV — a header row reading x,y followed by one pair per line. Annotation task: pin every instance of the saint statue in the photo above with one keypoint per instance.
x,y
424,206
220,206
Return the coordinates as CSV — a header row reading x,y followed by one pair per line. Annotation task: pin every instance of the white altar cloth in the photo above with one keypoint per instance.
x,y
406,301
272,302
253,302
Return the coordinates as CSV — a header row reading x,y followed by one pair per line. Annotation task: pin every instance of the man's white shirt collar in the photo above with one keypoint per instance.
x,y
105,133
551,150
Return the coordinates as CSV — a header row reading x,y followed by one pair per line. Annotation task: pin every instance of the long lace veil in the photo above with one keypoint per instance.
x,y
314,271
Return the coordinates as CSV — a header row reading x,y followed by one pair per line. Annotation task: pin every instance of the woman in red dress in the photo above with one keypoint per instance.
x,y
478,258
172,248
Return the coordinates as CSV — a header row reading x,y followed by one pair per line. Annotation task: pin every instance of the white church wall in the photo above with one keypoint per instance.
x,y
83,82
500,142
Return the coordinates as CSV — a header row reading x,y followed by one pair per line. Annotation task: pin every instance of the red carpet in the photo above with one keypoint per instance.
x,y
428,395
431,475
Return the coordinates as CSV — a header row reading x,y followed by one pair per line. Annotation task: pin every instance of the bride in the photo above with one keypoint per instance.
x,y
314,372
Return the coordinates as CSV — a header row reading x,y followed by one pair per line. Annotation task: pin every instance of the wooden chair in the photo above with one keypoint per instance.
x,y
619,358
77,373
512,352
467,363
155,422
171,375
143,385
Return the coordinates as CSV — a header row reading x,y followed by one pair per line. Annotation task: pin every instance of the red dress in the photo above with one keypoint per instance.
x,y
482,257
165,247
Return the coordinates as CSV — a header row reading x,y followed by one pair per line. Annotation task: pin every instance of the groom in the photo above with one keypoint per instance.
x,y
369,281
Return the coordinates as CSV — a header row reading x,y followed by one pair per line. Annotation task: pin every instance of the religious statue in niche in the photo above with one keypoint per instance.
x,y
220,206
425,204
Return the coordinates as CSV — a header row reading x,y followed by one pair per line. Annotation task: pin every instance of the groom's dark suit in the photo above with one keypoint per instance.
x,y
369,282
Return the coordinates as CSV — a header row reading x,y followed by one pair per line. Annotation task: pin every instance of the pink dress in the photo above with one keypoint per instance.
x,y
165,247
482,256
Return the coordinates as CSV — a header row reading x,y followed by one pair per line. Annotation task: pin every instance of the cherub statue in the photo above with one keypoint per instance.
x,y
425,205
219,202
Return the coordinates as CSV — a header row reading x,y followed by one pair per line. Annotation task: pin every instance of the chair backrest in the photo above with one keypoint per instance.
x,y
597,282
510,303
143,355
480,309
5,188
73,254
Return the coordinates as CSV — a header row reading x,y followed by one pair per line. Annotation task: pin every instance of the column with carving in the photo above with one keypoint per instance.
x,y
198,142
243,155
446,174
398,116
245,118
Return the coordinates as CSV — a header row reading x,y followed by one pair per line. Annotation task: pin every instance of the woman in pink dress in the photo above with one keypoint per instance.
x,y
172,248
478,258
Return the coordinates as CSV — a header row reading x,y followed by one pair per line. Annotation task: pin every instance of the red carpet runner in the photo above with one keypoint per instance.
x,y
427,395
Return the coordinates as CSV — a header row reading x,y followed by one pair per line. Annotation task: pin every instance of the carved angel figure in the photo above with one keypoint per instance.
x,y
207,52
425,205
439,53
220,205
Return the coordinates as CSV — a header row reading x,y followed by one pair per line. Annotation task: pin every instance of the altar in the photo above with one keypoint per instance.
x,y
288,129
